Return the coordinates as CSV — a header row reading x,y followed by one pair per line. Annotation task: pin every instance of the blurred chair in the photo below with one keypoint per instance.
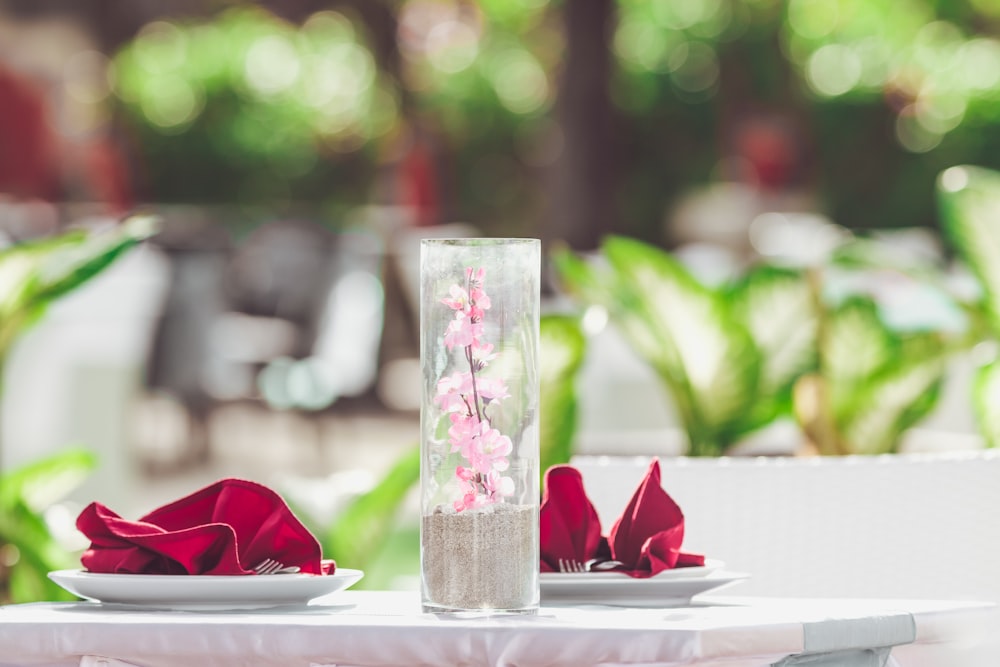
x,y
309,305
181,363
283,270
343,356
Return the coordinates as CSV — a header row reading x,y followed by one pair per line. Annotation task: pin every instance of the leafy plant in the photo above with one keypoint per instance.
x,y
871,384
32,276
772,344
969,202
728,356
36,273
25,538
562,346
362,530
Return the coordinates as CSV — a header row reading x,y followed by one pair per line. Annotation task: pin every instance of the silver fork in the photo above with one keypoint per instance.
x,y
593,565
570,565
271,566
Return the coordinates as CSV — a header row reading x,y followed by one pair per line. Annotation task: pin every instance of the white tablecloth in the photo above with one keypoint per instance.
x,y
379,629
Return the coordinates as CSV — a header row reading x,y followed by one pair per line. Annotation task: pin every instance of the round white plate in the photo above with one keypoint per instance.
x,y
204,591
670,588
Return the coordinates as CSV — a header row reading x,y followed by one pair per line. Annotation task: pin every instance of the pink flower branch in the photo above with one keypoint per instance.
x,y
464,396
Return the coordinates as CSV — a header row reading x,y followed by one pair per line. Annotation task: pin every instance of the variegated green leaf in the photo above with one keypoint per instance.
x,y
969,201
598,285
41,483
562,346
776,305
986,402
72,265
25,493
34,274
365,525
892,402
854,345
712,357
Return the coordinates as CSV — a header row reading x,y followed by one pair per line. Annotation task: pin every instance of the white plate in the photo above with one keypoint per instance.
x,y
203,592
670,588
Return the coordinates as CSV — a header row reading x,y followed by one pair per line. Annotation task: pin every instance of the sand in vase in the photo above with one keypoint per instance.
x,y
484,558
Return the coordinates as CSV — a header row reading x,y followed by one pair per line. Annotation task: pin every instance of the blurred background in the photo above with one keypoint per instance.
x,y
296,151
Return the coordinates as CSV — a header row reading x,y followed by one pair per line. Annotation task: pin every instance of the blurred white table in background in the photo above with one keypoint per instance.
x,y
369,629
895,526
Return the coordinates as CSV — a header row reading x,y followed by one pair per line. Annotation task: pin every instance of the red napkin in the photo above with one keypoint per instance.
x,y
567,522
225,528
646,538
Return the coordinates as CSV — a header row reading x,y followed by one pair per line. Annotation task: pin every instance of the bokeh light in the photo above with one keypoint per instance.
x,y
272,65
833,70
520,82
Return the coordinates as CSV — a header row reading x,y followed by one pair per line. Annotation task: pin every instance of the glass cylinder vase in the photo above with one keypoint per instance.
x,y
479,314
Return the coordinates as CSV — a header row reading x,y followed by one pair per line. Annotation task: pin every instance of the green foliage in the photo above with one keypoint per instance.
x,y
727,356
968,199
778,307
562,346
25,493
363,527
34,274
969,202
985,399
769,345
245,107
872,383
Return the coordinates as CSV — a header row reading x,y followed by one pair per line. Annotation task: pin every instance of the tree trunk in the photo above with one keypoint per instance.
x,y
583,180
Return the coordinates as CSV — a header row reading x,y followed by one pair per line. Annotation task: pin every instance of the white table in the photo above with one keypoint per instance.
x,y
379,629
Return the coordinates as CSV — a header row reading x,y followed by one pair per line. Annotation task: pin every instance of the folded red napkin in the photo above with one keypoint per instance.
x,y
646,538
567,522
225,528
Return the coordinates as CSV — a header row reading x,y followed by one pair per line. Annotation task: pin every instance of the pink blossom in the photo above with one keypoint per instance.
x,y
453,392
475,314
463,433
492,389
469,500
480,298
498,485
457,298
462,332
491,449
483,352
469,496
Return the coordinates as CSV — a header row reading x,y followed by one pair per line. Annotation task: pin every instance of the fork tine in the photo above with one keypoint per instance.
x,y
571,565
267,566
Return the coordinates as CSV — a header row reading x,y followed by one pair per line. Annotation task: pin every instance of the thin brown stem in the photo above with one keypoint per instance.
x,y
475,390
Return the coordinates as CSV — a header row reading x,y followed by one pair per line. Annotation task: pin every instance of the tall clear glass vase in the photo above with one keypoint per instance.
x,y
479,313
